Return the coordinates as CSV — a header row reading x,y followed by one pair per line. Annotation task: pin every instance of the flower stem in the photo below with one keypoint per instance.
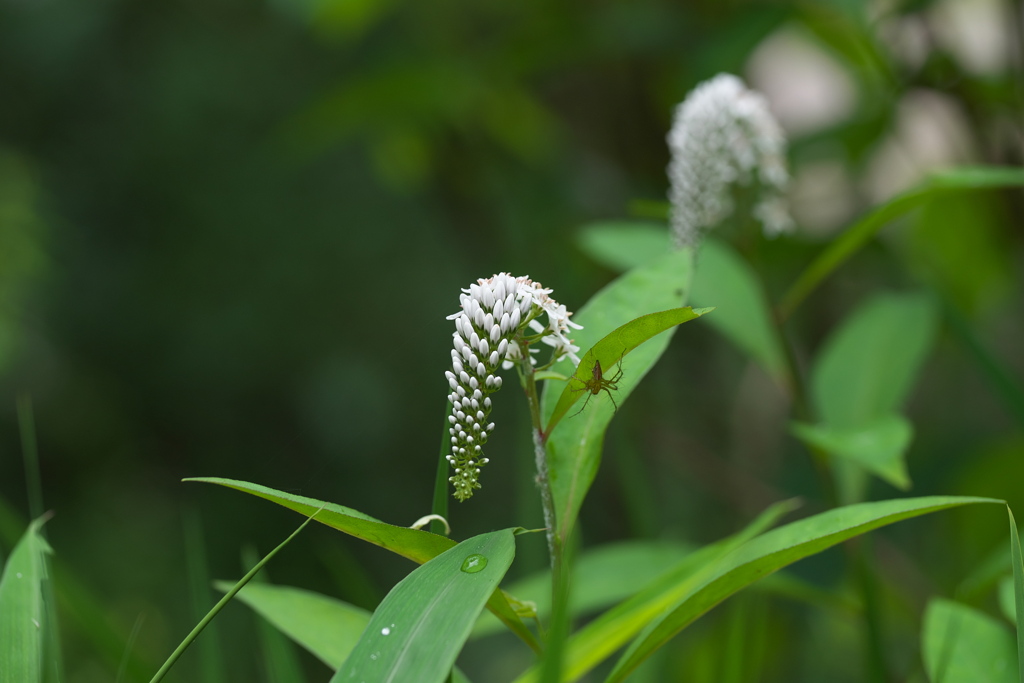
x,y
540,455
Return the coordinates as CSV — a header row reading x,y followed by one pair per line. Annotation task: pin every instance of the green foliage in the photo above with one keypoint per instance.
x,y
602,637
228,240
962,645
744,318
1017,560
23,622
418,546
768,553
326,627
860,380
418,630
574,450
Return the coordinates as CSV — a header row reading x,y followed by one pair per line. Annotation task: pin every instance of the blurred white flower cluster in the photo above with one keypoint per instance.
x,y
723,135
494,311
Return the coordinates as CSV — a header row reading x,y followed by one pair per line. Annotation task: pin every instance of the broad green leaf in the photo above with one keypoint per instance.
x,y
858,234
742,313
599,639
877,447
624,245
962,645
574,449
609,353
22,613
418,546
769,553
327,627
601,577
1018,590
420,627
868,366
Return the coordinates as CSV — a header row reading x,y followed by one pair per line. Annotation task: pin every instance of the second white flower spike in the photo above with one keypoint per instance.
x,y
724,134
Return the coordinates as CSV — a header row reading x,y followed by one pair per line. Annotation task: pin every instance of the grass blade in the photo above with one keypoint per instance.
x,y
190,638
22,612
1018,590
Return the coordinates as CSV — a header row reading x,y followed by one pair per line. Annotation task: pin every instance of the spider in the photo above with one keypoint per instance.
x,y
598,383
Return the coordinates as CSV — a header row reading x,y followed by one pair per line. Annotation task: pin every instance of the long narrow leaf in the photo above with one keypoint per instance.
x,y
22,613
1018,590
418,546
419,629
858,234
599,639
771,552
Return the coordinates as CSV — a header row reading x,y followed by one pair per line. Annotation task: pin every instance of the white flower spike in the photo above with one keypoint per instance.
x,y
490,332
724,134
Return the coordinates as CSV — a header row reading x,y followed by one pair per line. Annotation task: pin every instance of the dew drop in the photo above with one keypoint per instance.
x,y
19,575
474,563
385,631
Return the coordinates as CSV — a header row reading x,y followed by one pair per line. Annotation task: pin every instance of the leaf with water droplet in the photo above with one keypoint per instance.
x,y
434,607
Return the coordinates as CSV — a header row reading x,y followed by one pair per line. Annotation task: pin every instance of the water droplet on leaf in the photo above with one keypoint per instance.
x,y
474,563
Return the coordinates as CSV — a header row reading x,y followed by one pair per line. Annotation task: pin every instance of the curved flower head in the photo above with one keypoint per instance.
x,y
490,333
723,135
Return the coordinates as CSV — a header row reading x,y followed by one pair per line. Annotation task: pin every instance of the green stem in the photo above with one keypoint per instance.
x,y
540,456
223,601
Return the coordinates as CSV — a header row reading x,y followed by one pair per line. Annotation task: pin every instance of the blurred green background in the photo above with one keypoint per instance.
x,y
230,233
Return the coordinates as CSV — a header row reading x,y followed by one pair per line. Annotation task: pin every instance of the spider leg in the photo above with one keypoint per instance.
x,y
611,397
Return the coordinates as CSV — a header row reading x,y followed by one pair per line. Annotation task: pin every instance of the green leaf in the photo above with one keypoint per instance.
x,y
858,234
420,627
601,577
624,245
22,613
962,645
877,447
868,366
1018,590
612,350
327,627
769,553
743,315
418,546
574,449
1007,595
609,632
